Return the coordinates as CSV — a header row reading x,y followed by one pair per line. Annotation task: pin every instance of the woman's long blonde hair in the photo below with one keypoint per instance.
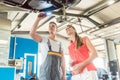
x,y
78,39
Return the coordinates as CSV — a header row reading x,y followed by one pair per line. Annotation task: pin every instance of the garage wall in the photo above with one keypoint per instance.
x,y
118,53
5,25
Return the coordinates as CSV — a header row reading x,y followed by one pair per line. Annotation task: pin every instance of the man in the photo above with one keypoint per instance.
x,y
52,54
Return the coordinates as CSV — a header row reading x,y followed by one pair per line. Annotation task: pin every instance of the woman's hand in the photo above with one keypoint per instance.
x,y
63,77
77,68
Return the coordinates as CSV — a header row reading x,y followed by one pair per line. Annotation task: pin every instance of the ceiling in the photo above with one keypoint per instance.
x,y
97,19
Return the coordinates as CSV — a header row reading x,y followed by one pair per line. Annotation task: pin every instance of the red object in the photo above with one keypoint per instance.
x,y
81,54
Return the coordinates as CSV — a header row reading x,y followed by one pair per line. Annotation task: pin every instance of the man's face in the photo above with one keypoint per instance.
x,y
52,28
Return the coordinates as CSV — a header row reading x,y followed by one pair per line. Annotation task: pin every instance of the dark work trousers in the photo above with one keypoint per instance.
x,y
51,68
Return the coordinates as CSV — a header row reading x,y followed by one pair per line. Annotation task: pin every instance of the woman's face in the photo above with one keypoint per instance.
x,y
52,28
70,30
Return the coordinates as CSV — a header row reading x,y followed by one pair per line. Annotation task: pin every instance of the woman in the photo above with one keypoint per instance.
x,y
51,51
82,54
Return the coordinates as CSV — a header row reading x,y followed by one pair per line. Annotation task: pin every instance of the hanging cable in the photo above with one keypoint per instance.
x,y
64,12
79,20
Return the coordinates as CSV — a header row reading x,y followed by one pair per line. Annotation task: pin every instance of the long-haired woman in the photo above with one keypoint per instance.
x,y
82,54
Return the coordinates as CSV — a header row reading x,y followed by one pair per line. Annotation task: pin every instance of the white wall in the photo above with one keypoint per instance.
x,y
4,40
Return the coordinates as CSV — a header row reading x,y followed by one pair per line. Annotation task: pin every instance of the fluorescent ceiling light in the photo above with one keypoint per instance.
x,y
3,41
110,2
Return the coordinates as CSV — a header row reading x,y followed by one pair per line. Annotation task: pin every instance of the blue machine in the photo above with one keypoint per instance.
x,y
7,73
27,49
68,75
30,65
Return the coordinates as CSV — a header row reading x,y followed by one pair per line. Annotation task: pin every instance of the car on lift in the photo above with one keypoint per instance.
x,y
41,5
